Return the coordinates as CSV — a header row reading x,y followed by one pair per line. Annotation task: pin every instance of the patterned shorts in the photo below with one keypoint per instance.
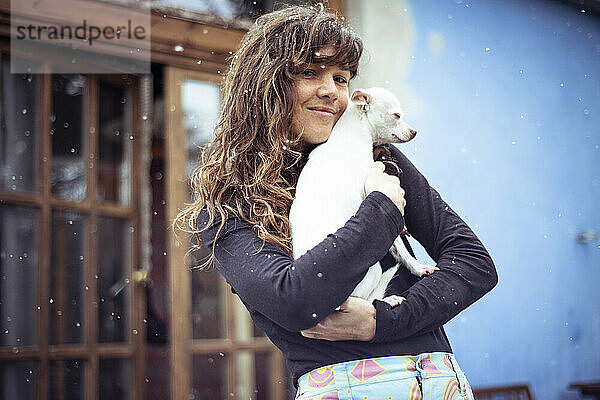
x,y
425,376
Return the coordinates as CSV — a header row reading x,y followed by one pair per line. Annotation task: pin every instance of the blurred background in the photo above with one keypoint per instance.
x,y
96,300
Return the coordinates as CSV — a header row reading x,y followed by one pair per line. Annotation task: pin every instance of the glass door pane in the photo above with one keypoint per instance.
x,y
207,306
263,376
67,278
201,102
114,273
18,275
115,379
19,136
209,377
66,380
115,145
68,173
18,380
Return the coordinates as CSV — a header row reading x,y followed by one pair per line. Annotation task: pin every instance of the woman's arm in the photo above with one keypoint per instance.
x,y
297,294
466,272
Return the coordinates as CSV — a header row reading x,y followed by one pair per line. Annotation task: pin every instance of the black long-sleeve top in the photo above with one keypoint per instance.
x,y
285,296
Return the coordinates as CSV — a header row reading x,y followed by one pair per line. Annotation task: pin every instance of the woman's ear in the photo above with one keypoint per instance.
x,y
361,98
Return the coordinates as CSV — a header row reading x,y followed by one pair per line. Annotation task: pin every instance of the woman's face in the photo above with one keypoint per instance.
x,y
321,98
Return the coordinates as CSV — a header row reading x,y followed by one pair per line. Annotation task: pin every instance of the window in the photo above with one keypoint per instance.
x,y
69,238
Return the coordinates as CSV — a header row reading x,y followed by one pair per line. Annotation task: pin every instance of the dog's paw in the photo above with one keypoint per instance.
x,y
422,270
393,300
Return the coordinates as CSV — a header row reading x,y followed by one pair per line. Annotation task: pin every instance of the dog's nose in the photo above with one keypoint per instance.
x,y
413,133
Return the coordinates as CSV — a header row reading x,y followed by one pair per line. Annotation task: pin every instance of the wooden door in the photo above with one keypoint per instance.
x,y
216,351
71,316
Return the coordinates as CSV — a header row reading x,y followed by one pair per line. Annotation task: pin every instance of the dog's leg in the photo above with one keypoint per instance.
x,y
402,255
365,287
379,291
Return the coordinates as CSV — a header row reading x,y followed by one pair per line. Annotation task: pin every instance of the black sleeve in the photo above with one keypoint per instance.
x,y
466,272
297,294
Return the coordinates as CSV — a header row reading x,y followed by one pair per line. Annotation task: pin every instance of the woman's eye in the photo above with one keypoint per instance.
x,y
309,72
341,79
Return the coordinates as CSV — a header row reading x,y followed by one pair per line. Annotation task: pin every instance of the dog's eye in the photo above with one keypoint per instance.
x,y
397,115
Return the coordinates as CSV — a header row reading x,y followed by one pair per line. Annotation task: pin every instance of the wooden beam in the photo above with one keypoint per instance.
x,y
138,296
90,121
336,6
45,232
174,31
180,329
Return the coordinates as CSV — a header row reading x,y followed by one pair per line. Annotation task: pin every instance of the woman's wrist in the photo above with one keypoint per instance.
x,y
371,325
365,318
354,320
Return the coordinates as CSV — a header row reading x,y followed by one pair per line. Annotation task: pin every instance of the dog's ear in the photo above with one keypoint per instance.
x,y
361,98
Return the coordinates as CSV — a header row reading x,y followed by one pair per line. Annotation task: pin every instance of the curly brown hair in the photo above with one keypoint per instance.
x,y
250,167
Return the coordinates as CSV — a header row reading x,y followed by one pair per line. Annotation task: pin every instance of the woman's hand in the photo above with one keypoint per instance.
x,y
378,180
355,320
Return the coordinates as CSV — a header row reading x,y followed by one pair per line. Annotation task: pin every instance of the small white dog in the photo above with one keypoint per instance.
x,y
330,188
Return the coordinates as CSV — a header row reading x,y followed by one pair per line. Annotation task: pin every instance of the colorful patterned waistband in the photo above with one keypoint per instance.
x,y
398,374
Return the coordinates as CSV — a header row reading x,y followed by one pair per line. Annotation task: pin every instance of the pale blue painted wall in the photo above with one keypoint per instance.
x,y
505,96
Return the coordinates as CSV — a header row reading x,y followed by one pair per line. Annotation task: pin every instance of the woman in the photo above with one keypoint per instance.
x,y
286,88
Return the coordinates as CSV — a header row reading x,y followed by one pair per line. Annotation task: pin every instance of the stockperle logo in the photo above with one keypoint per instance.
x,y
74,36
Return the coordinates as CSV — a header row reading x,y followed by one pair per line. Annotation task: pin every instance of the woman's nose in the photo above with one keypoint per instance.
x,y
327,89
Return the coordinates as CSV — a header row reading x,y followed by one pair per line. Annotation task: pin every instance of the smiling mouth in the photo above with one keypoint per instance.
x,y
322,110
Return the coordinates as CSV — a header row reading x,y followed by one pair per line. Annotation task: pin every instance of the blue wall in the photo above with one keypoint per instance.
x,y
505,96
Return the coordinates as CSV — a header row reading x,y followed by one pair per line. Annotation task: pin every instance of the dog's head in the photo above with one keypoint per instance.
x,y
383,111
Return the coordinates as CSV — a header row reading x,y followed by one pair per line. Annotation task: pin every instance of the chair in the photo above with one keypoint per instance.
x,y
587,388
512,392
